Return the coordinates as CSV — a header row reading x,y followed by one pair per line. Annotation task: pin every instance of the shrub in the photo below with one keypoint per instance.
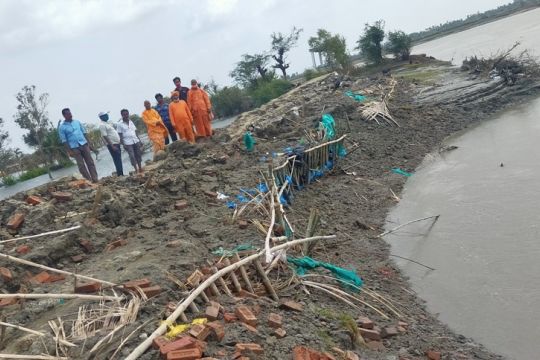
x,y
9,180
32,173
268,90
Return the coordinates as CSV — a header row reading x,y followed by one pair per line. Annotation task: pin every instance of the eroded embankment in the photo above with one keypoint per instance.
x,y
167,243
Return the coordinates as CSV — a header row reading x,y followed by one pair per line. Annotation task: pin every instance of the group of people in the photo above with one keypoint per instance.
x,y
187,116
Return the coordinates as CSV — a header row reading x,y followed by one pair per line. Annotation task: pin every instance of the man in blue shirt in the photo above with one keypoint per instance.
x,y
73,136
163,109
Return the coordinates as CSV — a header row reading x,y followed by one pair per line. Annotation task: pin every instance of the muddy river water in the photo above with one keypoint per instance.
x,y
486,244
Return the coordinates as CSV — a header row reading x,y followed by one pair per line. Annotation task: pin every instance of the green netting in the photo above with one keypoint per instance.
x,y
306,263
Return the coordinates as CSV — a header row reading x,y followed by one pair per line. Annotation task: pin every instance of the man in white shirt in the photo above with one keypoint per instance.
x,y
130,140
112,139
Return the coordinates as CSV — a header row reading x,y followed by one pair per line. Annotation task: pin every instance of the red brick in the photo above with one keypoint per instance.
x,y
160,342
275,320
141,283
212,312
375,346
433,355
221,353
23,249
181,205
302,353
247,348
217,330
229,317
186,354
292,305
87,245
365,322
200,332
245,315
116,244
389,332
8,302
41,278
371,334
87,288
62,196
403,324
79,184
209,358
349,355
6,274
250,328
15,221
401,329
246,294
243,224
182,343
55,278
280,333
77,258
210,194
34,200
151,291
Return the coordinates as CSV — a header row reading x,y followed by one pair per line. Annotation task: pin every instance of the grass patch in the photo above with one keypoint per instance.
x,y
424,76
326,339
32,173
9,180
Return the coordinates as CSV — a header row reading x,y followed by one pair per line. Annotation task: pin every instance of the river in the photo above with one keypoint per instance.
x,y
485,245
104,166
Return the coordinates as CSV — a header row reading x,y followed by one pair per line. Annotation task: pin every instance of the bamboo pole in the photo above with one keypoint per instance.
x,y
34,332
30,263
32,357
234,279
139,350
244,275
436,217
268,286
42,234
62,296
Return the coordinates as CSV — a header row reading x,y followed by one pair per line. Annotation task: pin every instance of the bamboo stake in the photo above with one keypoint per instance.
x,y
244,275
32,357
194,308
139,350
408,223
268,286
42,234
215,290
234,279
97,200
30,263
205,298
271,227
413,261
61,296
224,286
184,318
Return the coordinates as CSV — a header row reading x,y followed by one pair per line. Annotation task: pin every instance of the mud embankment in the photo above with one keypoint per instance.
x,y
166,243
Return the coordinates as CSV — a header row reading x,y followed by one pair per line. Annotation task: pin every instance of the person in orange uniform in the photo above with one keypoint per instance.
x,y
200,107
155,126
181,117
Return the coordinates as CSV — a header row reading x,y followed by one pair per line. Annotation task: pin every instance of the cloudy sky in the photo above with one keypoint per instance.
x,y
100,55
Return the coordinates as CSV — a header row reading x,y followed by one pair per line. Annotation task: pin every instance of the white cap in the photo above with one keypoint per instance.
x,y
103,113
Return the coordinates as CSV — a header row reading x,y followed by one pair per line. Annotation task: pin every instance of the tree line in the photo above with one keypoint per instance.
x,y
261,77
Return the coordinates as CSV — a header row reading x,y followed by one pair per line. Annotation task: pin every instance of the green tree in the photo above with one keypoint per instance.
x,y
269,90
6,154
252,67
333,47
370,43
229,100
32,116
399,44
281,45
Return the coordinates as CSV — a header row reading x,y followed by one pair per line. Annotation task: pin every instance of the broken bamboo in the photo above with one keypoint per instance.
x,y
244,275
142,347
266,282
42,234
62,296
30,263
234,279
436,217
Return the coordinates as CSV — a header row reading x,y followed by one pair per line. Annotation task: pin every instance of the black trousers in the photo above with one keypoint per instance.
x,y
116,154
172,132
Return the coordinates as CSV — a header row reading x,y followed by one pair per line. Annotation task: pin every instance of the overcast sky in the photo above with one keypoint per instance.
x,y
100,55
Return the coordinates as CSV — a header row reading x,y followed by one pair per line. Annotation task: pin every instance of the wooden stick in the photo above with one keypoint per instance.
x,y
42,234
62,296
234,279
268,286
194,308
184,318
34,332
97,200
413,261
244,275
32,357
139,350
30,263
408,223
271,227
205,298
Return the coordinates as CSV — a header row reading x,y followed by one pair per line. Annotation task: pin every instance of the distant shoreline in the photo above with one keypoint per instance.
x,y
465,27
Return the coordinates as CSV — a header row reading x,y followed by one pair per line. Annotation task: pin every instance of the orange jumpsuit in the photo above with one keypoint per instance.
x,y
156,129
182,120
200,107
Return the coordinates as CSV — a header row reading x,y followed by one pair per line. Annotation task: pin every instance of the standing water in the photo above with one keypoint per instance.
x,y
485,246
